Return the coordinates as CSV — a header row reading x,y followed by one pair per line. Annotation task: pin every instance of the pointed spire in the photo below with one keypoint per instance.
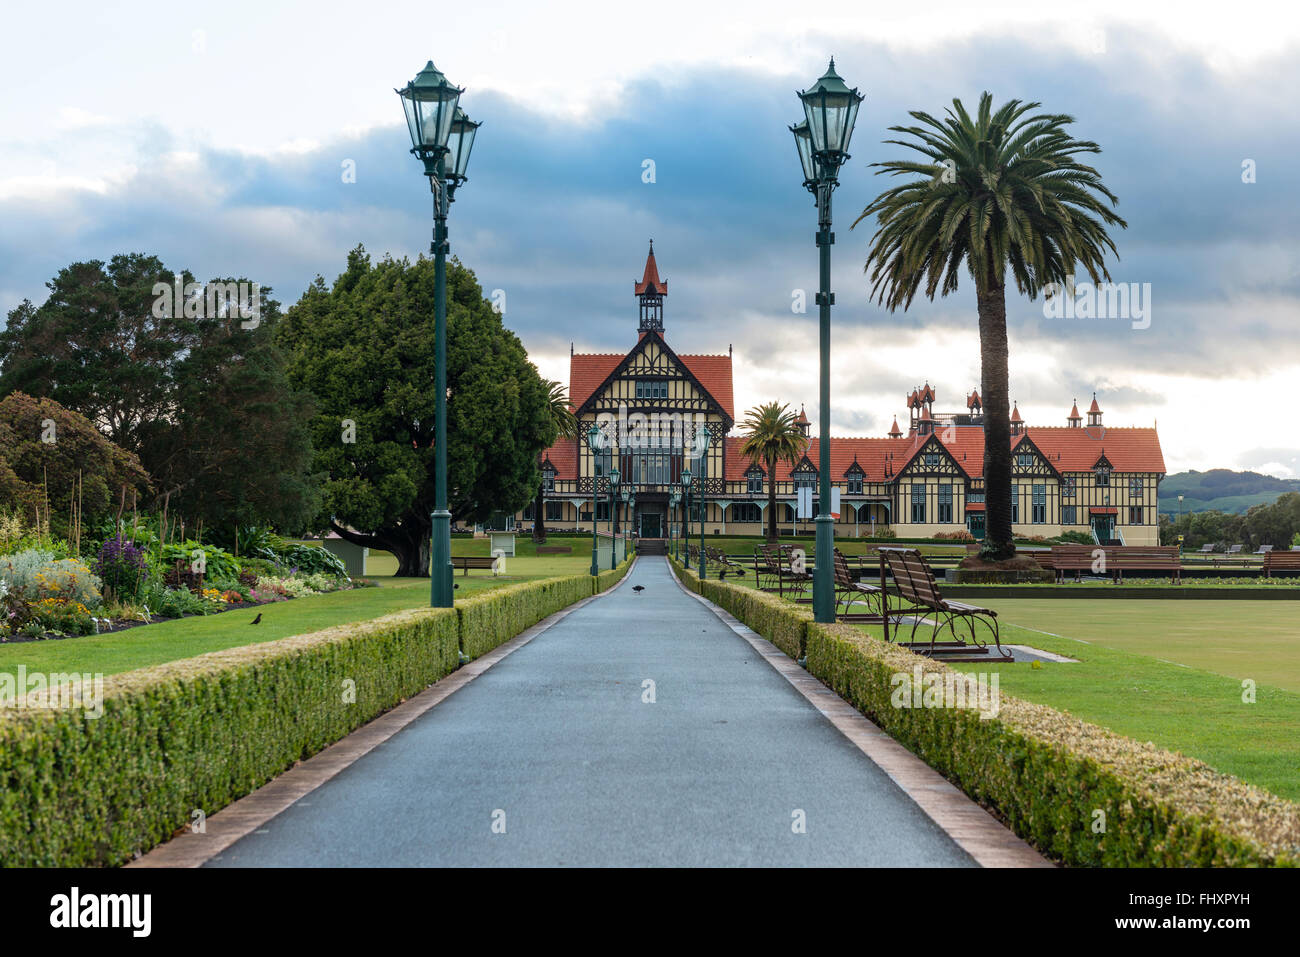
x,y
895,432
650,283
1015,413
1074,418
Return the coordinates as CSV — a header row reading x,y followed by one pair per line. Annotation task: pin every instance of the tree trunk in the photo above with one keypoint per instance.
x,y
998,542
410,545
539,517
771,502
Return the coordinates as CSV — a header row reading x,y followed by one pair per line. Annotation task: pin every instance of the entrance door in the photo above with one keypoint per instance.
x,y
975,525
1104,527
650,525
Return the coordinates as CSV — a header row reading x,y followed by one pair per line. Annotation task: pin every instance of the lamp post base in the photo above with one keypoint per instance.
x,y
441,585
824,574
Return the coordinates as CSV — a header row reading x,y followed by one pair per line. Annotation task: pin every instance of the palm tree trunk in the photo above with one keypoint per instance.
x,y
998,542
771,501
539,517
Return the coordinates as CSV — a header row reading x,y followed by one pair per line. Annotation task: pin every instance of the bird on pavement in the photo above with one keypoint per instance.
x,y
257,619
638,588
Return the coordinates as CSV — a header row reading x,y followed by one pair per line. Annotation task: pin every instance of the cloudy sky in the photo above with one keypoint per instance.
x,y
217,135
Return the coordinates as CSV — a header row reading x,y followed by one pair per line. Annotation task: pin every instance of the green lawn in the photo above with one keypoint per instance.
x,y
186,637
1170,673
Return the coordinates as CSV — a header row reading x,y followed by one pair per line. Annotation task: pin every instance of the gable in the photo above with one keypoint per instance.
x,y
699,383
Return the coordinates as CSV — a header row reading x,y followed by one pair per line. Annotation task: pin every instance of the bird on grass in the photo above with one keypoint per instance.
x,y
257,619
638,588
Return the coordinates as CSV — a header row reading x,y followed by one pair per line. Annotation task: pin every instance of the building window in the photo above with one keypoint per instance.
x,y
548,480
945,504
854,485
745,512
554,511
652,388
1103,476
1025,460
754,481
805,480
1135,486
602,510
653,468
1135,515
1015,505
975,495
1068,515
604,460
918,504
1067,490
931,460
1039,501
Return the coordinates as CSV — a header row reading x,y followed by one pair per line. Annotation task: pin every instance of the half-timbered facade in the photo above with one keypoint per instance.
x,y
652,405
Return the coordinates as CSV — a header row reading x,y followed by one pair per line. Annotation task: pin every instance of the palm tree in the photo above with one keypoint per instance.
x,y
771,436
1001,189
566,427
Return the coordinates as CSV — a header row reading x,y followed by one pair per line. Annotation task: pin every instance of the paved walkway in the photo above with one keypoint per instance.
x,y
556,742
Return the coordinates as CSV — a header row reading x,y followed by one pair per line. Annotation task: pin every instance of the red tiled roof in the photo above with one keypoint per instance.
x,y
564,456
587,372
1078,449
871,455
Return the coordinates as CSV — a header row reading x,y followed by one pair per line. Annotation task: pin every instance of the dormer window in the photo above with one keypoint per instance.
x,y
931,460
1025,460
854,484
754,481
548,479
1102,473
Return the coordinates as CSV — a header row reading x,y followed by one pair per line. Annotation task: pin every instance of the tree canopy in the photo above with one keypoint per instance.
x,y
364,348
194,389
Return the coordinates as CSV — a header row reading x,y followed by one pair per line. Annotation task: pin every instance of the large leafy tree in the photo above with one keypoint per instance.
x,y
52,459
1002,196
566,427
95,346
365,349
201,399
236,449
771,436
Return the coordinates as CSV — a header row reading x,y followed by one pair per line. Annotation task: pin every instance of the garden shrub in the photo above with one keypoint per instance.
x,y
122,568
37,573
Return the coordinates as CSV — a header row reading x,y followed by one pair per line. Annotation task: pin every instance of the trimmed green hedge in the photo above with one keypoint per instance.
x,y
199,733
1040,770
781,622
202,732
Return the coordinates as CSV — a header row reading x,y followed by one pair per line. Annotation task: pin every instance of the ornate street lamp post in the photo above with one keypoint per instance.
x,y
442,136
595,439
684,553
613,517
631,512
674,506
822,140
705,436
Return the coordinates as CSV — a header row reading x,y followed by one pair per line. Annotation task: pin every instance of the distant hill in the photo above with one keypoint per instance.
x,y
1221,489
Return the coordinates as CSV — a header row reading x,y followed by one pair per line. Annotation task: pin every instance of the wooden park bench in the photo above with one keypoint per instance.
x,y
718,557
466,562
916,586
849,591
1113,560
1281,561
774,571
554,549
